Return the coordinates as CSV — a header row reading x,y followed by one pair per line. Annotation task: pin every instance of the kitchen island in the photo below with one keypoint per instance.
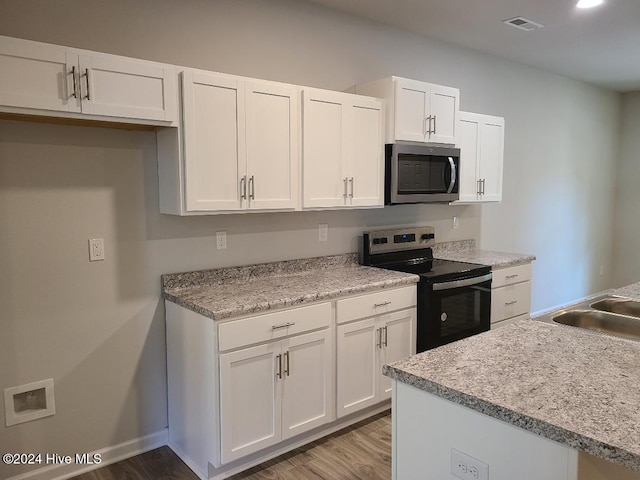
x,y
532,400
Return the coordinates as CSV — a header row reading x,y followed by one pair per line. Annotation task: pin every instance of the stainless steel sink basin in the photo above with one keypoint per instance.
x,y
605,322
618,305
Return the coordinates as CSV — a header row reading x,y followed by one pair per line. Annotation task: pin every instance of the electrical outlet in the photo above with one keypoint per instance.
x,y
323,232
456,224
221,240
96,249
466,467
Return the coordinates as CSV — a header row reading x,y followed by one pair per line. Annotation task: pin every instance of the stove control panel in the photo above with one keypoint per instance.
x,y
384,241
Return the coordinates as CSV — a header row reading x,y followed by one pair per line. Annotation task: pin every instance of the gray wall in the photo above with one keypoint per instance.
x,y
98,329
627,226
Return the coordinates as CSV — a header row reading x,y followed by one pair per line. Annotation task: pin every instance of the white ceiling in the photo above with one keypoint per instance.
x,y
599,45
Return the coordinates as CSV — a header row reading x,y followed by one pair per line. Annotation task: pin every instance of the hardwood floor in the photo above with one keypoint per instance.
x,y
359,452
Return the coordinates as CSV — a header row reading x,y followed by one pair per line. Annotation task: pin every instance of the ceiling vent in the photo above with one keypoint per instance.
x,y
523,24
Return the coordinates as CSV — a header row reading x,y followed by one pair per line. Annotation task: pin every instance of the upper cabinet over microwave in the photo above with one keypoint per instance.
x,y
50,80
416,111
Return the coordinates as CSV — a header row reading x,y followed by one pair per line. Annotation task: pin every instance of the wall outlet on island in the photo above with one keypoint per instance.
x,y
323,232
456,224
466,467
221,240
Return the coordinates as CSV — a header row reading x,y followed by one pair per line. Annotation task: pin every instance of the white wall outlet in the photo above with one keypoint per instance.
x,y
29,402
323,232
96,249
466,467
456,224
221,240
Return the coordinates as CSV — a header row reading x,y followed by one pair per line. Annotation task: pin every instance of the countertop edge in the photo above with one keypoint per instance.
x,y
257,309
539,427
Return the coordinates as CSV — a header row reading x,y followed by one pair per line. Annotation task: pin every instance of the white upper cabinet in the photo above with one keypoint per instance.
x,y
342,150
416,111
42,79
481,142
240,145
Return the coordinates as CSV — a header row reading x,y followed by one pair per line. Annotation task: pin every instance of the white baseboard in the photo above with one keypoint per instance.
x,y
108,456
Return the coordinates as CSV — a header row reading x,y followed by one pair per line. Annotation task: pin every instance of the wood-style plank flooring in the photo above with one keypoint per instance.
x,y
359,452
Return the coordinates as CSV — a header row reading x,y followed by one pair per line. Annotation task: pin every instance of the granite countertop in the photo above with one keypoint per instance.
x,y
563,383
236,291
466,251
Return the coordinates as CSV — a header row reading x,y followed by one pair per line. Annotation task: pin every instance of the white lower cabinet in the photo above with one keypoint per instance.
x,y
272,392
365,345
510,294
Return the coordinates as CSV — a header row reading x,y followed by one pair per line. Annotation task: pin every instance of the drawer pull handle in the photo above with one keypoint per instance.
x,y
511,303
383,304
385,335
379,342
75,87
509,277
284,325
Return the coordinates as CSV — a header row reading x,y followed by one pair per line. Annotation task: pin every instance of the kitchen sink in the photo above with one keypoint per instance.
x,y
618,305
602,321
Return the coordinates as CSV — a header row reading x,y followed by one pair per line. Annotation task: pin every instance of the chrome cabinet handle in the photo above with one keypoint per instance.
x,y
345,187
86,74
279,366
286,363
379,342
453,175
75,85
284,325
434,125
243,188
252,192
483,180
510,303
351,182
478,190
385,335
424,126
508,277
376,305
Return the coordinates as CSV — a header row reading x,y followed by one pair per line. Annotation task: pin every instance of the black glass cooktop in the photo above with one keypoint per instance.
x,y
437,269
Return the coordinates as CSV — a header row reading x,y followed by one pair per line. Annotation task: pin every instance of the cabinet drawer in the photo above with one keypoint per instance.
x,y
510,301
375,303
263,328
508,276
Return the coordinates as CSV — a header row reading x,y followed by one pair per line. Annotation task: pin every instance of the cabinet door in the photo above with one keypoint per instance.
x,y
365,153
491,158
412,104
444,104
272,146
324,178
125,88
469,129
357,371
307,401
250,400
38,76
398,342
214,143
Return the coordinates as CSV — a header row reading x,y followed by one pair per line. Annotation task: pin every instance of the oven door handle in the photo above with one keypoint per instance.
x,y
453,175
462,283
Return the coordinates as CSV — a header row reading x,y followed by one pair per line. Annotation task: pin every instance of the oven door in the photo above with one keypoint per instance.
x,y
452,310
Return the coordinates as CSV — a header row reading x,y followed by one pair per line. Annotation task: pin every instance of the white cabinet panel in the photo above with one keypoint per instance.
x,y
376,303
481,143
356,366
412,106
307,401
510,292
272,146
324,164
444,107
366,166
398,343
38,78
249,400
213,141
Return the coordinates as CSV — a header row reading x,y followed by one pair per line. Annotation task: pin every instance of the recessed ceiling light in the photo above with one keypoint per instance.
x,y
588,3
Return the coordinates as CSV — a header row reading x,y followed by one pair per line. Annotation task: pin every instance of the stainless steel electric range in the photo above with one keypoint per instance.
x,y
454,298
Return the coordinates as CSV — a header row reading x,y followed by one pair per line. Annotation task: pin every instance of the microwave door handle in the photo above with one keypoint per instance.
x,y
453,175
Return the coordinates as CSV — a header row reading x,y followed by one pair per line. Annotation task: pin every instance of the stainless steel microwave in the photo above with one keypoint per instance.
x,y
421,174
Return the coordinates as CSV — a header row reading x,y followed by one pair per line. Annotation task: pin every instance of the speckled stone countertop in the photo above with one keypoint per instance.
x,y
566,384
466,251
236,291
